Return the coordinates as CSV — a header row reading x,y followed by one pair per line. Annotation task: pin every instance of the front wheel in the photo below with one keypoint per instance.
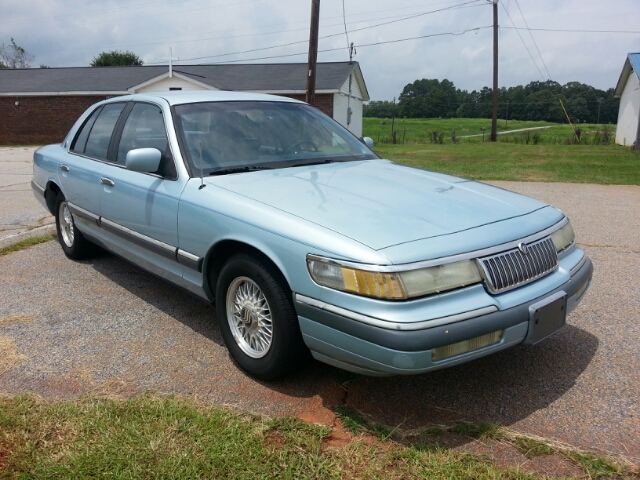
x,y
73,243
257,319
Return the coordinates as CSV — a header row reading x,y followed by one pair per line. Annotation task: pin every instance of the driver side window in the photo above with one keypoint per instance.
x,y
145,128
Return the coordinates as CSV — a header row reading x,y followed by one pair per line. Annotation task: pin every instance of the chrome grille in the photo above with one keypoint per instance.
x,y
519,266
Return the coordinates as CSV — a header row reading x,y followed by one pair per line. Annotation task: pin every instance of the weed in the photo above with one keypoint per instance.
x,y
27,243
477,430
595,466
352,421
532,448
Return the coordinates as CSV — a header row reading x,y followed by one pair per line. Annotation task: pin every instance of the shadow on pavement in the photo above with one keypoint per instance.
x,y
504,387
179,304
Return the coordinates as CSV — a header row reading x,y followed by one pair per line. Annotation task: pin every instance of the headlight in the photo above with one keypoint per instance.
x,y
392,285
563,237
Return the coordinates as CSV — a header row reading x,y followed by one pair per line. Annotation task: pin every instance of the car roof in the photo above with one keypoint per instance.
x,y
198,96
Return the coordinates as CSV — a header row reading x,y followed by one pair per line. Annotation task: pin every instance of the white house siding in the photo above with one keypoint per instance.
x,y
629,113
341,103
166,84
355,88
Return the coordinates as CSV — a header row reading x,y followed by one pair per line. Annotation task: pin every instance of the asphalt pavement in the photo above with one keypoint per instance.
x,y
103,326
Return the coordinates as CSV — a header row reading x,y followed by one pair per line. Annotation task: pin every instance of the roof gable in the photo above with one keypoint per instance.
x,y
631,64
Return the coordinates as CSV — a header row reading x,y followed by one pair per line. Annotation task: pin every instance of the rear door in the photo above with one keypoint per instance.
x,y
81,170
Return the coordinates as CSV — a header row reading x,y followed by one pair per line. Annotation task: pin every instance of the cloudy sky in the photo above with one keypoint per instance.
x,y
396,41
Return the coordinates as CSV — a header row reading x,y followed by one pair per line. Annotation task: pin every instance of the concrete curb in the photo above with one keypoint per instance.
x,y
9,240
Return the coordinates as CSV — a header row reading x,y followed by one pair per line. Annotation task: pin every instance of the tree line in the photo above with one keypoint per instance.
x,y
15,56
431,98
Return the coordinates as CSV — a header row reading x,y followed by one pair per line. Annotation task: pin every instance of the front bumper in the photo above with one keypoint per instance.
x,y
359,346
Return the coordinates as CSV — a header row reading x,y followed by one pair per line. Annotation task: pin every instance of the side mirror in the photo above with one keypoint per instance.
x,y
368,142
145,160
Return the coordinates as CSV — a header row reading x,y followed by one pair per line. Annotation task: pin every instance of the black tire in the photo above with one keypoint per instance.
x,y
263,336
73,243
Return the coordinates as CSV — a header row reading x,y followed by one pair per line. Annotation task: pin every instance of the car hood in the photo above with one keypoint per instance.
x,y
379,203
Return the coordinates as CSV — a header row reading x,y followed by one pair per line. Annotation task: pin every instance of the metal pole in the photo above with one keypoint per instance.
x,y
507,116
313,52
494,117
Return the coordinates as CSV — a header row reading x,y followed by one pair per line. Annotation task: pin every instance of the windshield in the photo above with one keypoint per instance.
x,y
228,137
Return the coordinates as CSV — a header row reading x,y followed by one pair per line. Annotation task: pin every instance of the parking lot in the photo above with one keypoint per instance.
x,y
105,327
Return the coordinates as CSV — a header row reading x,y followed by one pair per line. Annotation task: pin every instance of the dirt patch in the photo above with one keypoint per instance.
x,y
315,412
536,177
16,319
9,355
4,454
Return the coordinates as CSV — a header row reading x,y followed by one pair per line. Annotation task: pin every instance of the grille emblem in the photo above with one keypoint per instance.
x,y
520,265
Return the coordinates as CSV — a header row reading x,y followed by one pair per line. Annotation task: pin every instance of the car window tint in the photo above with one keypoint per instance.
x,y
144,129
80,142
228,135
100,136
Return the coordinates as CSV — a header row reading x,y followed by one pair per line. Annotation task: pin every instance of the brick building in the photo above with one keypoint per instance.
x,y
39,105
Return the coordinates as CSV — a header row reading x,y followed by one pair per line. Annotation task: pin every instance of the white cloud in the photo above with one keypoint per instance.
x,y
472,53
72,32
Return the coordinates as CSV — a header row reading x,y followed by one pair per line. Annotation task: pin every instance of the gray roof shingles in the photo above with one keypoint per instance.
x,y
244,77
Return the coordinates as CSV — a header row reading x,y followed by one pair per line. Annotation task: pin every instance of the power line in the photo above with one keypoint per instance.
x,y
575,30
409,17
201,39
534,41
475,29
523,42
344,19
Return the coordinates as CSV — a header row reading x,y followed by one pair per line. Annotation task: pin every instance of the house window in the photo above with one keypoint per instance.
x,y
175,88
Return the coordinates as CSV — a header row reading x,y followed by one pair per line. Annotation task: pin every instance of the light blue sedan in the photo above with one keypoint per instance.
x,y
307,241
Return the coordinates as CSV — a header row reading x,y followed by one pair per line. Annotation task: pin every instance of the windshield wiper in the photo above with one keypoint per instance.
x,y
313,162
248,168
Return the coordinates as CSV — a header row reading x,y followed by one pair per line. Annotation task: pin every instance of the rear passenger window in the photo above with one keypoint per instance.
x,y
80,143
97,144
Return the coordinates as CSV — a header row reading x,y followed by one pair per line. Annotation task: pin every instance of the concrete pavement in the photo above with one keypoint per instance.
x,y
21,215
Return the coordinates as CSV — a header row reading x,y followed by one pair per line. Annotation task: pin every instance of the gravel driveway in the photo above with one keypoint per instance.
x,y
103,326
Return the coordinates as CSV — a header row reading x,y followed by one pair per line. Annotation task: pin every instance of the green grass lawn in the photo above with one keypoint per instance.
x,y
152,438
611,164
420,130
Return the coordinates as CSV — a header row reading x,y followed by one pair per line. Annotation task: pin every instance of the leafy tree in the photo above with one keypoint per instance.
x,y
116,58
381,109
14,56
429,98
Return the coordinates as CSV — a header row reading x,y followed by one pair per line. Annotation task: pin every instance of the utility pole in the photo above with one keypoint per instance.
x,y
599,104
494,117
507,116
313,52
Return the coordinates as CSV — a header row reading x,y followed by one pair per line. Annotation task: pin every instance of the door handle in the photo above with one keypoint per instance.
x,y
106,181
64,168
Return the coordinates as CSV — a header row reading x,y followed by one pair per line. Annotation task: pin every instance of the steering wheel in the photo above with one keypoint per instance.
x,y
293,148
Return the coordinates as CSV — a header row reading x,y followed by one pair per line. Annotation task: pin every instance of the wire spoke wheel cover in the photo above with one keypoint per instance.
x,y
249,317
67,230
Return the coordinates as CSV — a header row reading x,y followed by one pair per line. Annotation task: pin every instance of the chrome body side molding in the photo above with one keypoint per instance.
x,y
171,252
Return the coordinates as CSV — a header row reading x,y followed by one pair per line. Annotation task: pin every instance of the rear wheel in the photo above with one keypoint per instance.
x,y
257,319
73,243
